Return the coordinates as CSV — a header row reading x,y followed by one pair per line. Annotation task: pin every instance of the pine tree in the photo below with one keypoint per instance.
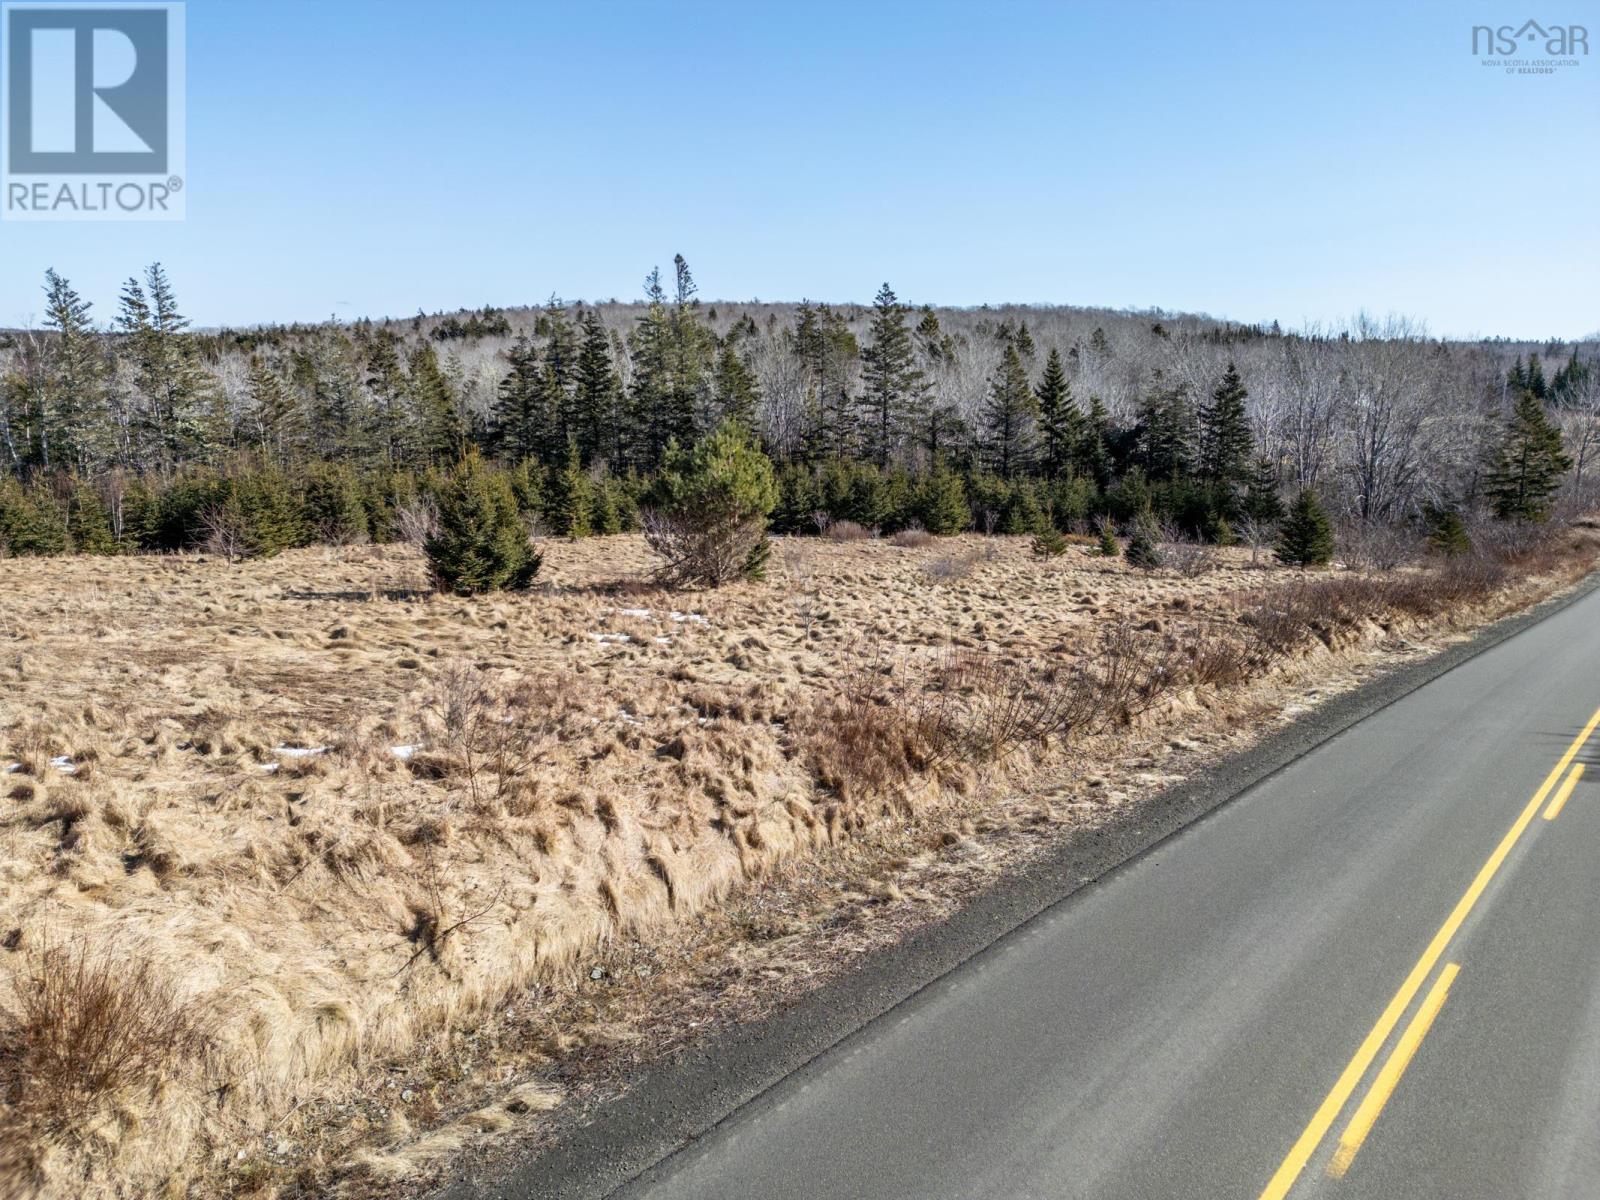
x,y
711,505
1061,425
1107,546
1529,464
1447,534
1226,444
482,544
1009,417
570,503
892,383
1306,538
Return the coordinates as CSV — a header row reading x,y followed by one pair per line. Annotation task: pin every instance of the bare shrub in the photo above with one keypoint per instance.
x,y
699,549
417,523
1378,547
225,533
951,568
847,531
1256,534
91,1021
912,537
804,593
1222,658
494,734
1187,555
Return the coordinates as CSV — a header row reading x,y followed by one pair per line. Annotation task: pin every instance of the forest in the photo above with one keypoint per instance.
x,y
132,435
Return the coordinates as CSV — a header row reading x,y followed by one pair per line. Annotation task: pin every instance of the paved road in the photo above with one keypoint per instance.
x,y
1374,975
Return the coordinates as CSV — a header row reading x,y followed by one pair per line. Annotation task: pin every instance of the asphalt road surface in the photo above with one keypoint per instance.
x,y
1375,974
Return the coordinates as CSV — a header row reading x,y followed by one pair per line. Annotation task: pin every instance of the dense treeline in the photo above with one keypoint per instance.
x,y
142,435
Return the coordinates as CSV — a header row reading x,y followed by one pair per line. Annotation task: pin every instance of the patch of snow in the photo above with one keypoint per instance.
x,y
299,751
696,618
404,753
631,612
662,641
611,638
627,716
10,767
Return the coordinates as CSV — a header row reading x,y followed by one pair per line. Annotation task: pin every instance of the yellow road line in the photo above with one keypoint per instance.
x,y
1565,794
1383,1086
1300,1153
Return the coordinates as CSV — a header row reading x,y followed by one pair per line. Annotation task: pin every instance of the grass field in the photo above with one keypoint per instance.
x,y
271,831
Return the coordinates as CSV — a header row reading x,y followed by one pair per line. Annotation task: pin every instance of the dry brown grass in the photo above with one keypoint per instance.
x,y
588,766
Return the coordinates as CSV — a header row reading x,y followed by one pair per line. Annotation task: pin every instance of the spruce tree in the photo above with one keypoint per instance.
x,y
1306,538
482,544
520,420
1529,464
597,397
1144,544
1061,426
940,501
76,427
166,368
711,505
441,434
1093,454
1226,443
892,383
1009,417
735,387
1262,503
1447,533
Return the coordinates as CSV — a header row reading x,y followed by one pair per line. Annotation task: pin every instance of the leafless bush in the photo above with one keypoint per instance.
x,y
1378,547
913,537
1222,658
225,533
800,571
847,531
951,567
1188,555
1257,535
91,1021
494,734
702,549
417,523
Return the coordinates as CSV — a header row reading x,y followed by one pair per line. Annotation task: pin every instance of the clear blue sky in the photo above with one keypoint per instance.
x,y
1296,161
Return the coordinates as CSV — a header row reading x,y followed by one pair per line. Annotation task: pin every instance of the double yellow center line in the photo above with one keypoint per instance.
x,y
1333,1104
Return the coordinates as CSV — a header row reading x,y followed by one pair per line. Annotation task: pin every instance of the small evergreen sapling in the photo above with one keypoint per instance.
x,y
482,544
1107,547
1144,550
1306,537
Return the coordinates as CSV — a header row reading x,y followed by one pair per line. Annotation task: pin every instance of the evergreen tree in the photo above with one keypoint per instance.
x,y
735,387
825,347
892,382
166,366
1447,534
522,428
1306,538
597,397
441,433
1107,545
482,544
558,371
1061,425
270,412
712,503
386,386
1261,502
1529,464
1093,455
1024,341
1166,434
1226,444
1009,416
1144,546
940,501
75,401
569,504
